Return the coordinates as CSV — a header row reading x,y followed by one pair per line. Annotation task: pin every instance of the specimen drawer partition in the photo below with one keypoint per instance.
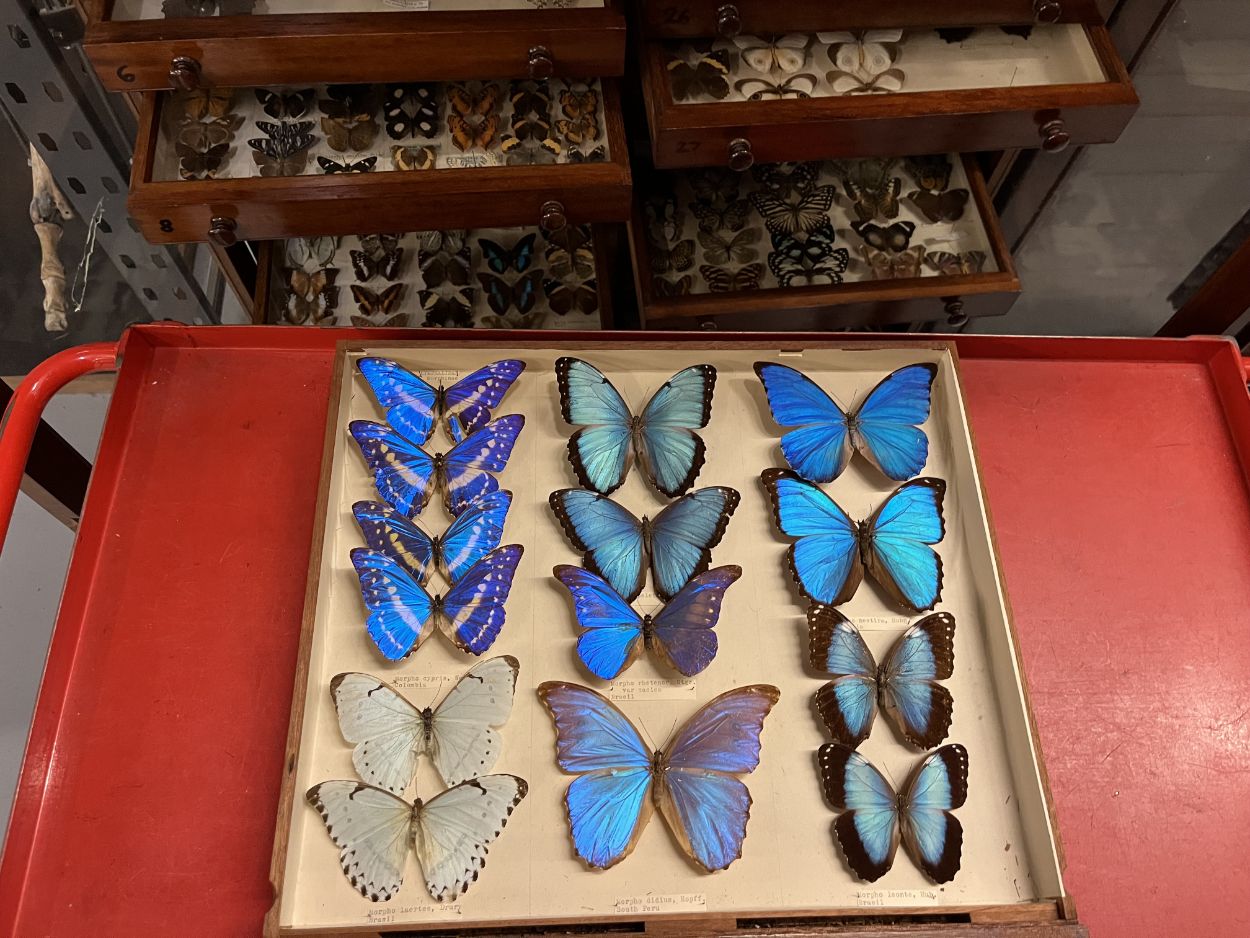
x,y
994,90
133,47
470,188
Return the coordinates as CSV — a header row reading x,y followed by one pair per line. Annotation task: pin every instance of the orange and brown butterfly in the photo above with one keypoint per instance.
x,y
474,121
900,266
200,135
948,265
581,116
377,304
310,295
410,159
206,103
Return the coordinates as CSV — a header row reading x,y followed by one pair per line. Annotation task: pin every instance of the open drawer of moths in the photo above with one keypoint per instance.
x,y
261,163
821,245
148,45
843,94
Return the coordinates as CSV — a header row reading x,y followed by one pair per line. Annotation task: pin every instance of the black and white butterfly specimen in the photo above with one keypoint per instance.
x,y
790,216
581,155
284,152
785,179
411,109
331,167
813,260
720,280
894,238
285,105
379,255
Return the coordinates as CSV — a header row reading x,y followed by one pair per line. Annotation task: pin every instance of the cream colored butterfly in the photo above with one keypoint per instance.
x,y
786,54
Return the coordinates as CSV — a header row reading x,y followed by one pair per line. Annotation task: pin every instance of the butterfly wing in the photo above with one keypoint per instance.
x,y
399,608
900,533
825,560
608,806
683,535
886,426
454,831
602,451
821,446
934,837
609,536
469,465
371,828
672,453
868,828
387,730
408,400
706,807
464,741
402,471
475,533
475,609
471,399
389,532
611,637
923,655
683,629
847,705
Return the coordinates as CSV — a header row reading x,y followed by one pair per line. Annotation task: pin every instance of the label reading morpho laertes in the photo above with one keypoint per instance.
x,y
652,688
654,905
389,915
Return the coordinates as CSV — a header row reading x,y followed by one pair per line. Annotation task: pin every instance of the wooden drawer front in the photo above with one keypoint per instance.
x,y
137,54
1064,84
701,18
704,253
588,182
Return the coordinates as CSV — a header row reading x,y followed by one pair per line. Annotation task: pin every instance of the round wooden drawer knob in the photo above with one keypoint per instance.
x,y
1055,136
541,63
728,21
222,231
184,73
551,217
1047,11
740,156
955,315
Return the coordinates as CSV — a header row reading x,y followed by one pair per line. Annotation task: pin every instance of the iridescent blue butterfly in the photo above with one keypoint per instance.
x,y
401,611
613,635
663,438
829,557
885,427
679,541
407,476
905,683
412,404
501,259
691,780
875,815
472,536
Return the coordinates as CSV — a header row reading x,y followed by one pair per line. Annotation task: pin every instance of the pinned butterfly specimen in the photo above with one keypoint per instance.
x,y
901,266
502,296
408,159
662,438
581,123
514,320
669,288
677,258
206,103
905,684
351,102
812,261
782,180
863,63
533,152
885,428
732,250
762,89
473,121
564,298
533,127
831,552
407,476
411,110
450,833
730,217
284,152
665,219
876,816
450,310
311,253
872,188
691,780
459,735
790,216
331,167
714,186
720,280
311,295
397,321
531,100
932,173
285,105
575,102
345,135
441,267
472,536
579,155
949,265
941,206
613,635
379,256
451,240
502,260
201,135
786,54
703,75
377,304
616,544
894,238
401,612
570,253
413,405
194,163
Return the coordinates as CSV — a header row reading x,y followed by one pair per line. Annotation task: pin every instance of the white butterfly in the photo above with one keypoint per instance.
x,y
451,833
786,54
459,735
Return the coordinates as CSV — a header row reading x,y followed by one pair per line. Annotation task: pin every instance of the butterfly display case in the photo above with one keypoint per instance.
x,y
138,45
866,93
790,870
261,163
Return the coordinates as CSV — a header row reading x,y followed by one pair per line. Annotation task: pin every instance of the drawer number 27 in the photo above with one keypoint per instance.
x,y
674,16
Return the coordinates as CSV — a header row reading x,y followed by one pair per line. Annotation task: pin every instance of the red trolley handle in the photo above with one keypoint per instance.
x,y
17,429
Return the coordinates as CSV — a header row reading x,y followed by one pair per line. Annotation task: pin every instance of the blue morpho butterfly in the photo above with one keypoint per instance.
x,y
473,535
501,259
691,780
885,427
413,405
875,814
904,683
401,611
829,557
662,438
407,476
613,635
679,541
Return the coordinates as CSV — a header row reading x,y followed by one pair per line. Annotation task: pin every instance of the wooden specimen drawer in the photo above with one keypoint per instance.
x,y
145,45
844,94
257,164
696,18
821,245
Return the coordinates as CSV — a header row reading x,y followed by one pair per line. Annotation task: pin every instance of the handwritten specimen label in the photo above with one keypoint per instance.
x,y
651,904
652,688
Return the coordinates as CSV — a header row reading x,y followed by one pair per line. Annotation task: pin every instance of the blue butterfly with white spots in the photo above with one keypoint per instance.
x,y
691,780
662,438
874,815
474,534
401,611
905,683
885,427
413,405
831,551
614,635
407,476
678,542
